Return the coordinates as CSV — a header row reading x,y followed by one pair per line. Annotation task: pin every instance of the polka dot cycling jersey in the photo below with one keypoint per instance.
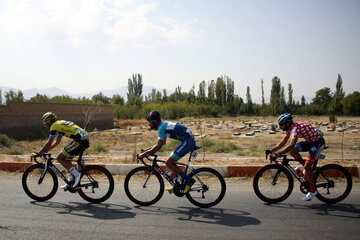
x,y
304,130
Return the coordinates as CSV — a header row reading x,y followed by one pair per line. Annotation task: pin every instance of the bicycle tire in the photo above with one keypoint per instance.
x,y
209,185
137,192
101,184
333,183
269,192
43,191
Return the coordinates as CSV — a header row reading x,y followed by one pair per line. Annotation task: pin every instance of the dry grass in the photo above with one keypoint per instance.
x,y
221,146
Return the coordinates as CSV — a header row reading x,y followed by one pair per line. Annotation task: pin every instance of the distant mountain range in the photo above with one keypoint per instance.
x,y
52,92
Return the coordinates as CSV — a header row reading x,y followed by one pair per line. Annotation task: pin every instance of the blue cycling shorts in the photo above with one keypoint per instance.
x,y
185,146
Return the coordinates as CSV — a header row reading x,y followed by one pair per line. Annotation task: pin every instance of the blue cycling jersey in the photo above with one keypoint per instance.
x,y
174,131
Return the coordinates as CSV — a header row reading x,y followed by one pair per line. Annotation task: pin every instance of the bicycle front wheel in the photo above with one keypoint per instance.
x,y
333,183
144,187
96,184
37,188
273,183
209,188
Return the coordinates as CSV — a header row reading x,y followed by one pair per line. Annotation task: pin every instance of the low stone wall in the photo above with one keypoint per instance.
x,y
23,120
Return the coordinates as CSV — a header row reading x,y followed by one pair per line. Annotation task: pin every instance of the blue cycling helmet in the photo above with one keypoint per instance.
x,y
285,118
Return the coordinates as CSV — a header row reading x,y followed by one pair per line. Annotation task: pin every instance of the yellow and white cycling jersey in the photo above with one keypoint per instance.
x,y
69,129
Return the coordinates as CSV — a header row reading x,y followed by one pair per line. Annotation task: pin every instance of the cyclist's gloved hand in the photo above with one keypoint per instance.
x,y
34,155
267,152
273,156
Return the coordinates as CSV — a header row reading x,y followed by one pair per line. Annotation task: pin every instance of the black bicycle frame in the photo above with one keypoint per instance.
x,y
285,163
49,164
162,172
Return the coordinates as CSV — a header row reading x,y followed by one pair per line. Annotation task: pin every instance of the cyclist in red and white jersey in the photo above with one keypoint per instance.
x,y
314,143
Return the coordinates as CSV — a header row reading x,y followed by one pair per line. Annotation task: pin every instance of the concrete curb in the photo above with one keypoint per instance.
x,y
123,169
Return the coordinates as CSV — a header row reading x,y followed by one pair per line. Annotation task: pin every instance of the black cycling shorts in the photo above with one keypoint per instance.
x,y
314,148
75,148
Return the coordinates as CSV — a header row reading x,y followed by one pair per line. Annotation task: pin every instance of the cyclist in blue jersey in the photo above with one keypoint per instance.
x,y
167,129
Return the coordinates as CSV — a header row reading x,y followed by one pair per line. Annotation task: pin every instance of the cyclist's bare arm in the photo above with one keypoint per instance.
x,y
280,144
49,145
153,149
288,147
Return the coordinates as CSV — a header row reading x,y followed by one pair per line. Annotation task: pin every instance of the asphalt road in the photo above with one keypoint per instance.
x,y
241,215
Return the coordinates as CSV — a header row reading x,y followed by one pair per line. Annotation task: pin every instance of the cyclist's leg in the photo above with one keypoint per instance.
x,y
315,150
300,147
179,152
65,157
295,154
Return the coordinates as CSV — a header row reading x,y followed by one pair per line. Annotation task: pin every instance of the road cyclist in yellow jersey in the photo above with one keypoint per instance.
x,y
58,129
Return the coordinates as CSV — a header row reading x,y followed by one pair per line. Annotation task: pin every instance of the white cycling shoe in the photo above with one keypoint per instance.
x,y
77,180
309,196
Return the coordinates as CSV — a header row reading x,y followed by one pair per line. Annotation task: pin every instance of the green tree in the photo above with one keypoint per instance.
x,y
282,100
321,100
40,98
336,106
290,95
249,103
352,104
12,96
101,98
165,97
177,96
201,93
220,91
135,87
275,99
230,88
239,103
263,105
303,101
191,97
262,94
211,92
117,99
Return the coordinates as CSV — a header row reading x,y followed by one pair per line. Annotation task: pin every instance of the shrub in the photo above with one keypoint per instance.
x,y
5,140
98,148
13,151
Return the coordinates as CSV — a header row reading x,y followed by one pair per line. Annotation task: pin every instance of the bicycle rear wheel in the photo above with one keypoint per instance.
x,y
333,183
36,188
209,188
96,184
143,187
273,183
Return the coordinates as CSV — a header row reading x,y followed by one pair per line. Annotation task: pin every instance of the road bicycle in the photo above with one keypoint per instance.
x,y
274,183
41,183
145,186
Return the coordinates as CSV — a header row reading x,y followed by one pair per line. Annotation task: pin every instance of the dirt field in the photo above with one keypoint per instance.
x,y
228,137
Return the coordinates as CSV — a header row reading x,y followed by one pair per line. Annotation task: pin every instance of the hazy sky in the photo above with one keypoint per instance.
x,y
91,45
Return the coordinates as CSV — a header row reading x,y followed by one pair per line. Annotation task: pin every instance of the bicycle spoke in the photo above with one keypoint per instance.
x,y
273,183
142,187
96,185
209,188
